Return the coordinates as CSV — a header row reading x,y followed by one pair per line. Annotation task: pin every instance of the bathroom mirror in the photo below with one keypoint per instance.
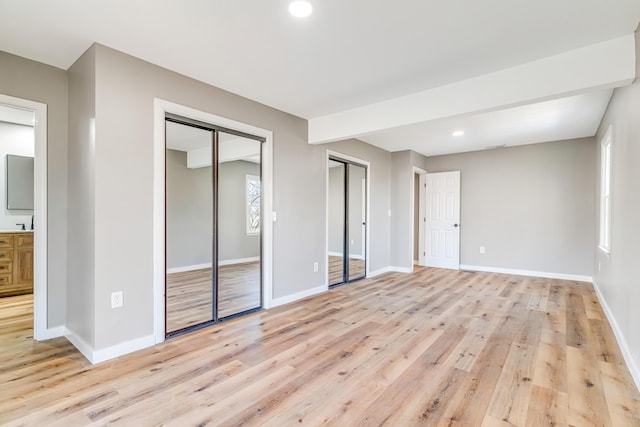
x,y
19,182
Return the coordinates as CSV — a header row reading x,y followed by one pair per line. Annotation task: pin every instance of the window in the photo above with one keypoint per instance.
x,y
253,204
605,192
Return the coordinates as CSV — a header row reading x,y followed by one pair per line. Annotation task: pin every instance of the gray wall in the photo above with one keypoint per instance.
x,y
34,81
402,179
189,212
125,89
81,243
233,240
531,207
617,274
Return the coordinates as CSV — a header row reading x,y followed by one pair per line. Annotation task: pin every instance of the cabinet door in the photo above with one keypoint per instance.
x,y
23,274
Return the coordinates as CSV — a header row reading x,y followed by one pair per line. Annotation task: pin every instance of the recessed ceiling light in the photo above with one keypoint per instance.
x,y
458,133
300,8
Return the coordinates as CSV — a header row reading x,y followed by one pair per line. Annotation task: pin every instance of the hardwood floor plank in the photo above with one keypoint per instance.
x,y
435,347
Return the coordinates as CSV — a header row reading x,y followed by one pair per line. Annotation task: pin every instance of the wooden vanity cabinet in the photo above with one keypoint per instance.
x,y
16,264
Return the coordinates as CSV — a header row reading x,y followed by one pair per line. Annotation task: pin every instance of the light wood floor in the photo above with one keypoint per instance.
x,y
432,348
189,294
356,269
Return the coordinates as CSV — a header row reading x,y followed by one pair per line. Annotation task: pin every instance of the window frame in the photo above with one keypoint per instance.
x,y
606,151
248,205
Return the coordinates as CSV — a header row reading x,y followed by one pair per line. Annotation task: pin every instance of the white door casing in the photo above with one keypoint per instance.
x,y
442,226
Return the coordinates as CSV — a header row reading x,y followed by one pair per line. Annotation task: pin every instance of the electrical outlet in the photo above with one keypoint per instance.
x,y
481,249
315,267
116,299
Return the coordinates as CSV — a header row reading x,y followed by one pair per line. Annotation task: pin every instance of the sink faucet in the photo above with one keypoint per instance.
x,y
32,221
23,225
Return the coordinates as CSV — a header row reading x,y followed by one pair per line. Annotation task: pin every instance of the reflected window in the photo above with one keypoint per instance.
x,y
253,204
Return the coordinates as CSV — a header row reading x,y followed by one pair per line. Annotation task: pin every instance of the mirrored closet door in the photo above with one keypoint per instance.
x,y
213,224
347,187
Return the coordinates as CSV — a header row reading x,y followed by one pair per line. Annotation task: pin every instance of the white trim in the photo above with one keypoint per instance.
x,y
340,254
401,269
378,272
239,261
389,270
161,108
367,251
188,268
50,333
98,356
298,296
80,344
531,273
422,173
40,278
622,341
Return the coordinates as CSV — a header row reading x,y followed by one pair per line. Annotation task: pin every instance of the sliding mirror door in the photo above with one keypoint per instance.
x,y
357,221
213,224
337,173
189,226
347,190
239,224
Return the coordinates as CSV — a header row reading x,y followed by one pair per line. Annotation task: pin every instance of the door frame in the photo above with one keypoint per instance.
x,y
40,277
161,109
349,159
421,208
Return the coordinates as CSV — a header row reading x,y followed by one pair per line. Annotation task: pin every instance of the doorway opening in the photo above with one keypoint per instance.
x,y
213,205
347,221
23,215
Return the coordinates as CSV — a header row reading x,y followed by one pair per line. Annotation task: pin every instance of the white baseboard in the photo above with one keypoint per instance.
x,y
389,270
50,333
83,347
531,273
239,261
188,268
98,356
298,296
208,265
339,254
378,272
622,341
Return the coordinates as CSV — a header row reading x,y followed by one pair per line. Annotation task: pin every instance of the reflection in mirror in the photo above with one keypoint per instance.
x,y
239,221
189,226
336,222
357,215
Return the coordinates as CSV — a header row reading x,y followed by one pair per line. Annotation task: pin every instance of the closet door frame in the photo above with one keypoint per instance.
x,y
348,160
165,109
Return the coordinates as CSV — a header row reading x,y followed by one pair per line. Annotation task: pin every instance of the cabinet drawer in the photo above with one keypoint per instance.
x,y
24,240
6,254
5,267
5,279
6,240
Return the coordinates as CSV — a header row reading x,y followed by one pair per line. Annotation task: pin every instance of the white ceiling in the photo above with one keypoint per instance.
x,y
348,54
565,118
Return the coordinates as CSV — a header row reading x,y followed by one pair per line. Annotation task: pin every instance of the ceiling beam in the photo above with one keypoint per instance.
x,y
604,65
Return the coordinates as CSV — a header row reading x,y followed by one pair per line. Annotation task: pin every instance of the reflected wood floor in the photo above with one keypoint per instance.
x,y
435,347
189,294
356,269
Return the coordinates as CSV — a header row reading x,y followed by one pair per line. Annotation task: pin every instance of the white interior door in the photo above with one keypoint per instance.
x,y
442,225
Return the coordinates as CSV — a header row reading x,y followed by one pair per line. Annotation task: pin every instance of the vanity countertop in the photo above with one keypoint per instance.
x,y
16,231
